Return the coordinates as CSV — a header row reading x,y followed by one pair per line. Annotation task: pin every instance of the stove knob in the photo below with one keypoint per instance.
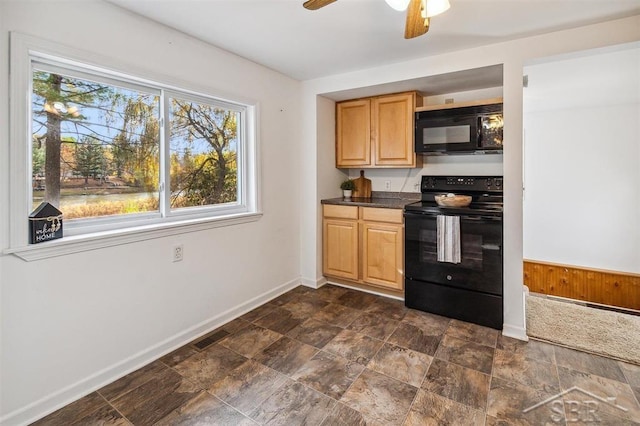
x,y
489,182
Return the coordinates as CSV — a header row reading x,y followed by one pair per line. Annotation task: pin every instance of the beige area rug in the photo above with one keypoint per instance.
x,y
594,330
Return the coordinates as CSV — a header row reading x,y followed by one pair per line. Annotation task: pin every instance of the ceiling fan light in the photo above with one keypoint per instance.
x,y
398,5
436,7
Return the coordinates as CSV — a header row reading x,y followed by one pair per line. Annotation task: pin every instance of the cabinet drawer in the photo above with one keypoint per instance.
x,y
341,212
382,215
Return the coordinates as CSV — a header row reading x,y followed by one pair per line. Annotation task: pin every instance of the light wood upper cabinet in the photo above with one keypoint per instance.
x,y
393,127
376,132
364,245
353,133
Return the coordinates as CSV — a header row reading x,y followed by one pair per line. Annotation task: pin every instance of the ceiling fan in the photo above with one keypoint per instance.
x,y
419,12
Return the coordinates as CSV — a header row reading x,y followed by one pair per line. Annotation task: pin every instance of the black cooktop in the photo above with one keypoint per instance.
x,y
486,193
472,209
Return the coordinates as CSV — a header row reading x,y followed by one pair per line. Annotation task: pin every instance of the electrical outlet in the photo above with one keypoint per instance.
x,y
387,185
178,253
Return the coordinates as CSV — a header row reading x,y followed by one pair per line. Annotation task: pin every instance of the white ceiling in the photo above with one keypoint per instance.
x,y
350,35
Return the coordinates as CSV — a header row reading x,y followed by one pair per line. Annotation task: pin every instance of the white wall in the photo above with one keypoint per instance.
x,y
512,55
70,324
582,152
319,182
408,180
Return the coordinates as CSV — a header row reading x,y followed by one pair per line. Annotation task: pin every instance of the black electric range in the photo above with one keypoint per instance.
x,y
468,287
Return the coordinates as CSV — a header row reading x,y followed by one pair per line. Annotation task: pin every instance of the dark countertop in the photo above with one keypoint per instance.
x,y
385,200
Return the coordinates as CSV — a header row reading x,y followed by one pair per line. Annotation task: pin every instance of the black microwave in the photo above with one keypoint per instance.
x,y
473,130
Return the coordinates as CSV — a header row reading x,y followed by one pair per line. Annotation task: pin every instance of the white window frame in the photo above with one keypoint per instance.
x,y
86,234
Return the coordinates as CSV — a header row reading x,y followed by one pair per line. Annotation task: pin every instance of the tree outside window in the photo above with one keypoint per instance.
x,y
97,147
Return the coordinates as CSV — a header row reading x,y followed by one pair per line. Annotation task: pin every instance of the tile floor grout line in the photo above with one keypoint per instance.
x,y
234,408
386,340
557,370
391,377
114,408
529,358
424,377
624,371
491,376
120,395
450,399
336,401
247,415
406,417
581,350
583,370
284,384
189,381
347,390
513,382
289,377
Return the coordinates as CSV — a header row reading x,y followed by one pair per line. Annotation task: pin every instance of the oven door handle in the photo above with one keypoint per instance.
x,y
482,218
494,247
474,218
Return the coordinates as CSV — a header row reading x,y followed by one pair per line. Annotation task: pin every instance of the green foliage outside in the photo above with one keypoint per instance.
x,y
90,160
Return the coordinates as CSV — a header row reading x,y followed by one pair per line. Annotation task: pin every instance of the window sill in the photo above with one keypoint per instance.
x,y
81,243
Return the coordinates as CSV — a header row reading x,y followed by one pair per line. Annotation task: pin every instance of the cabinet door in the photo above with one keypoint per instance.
x,y
353,133
340,248
382,257
393,122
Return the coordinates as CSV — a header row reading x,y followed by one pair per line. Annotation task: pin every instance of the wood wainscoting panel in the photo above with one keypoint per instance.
x,y
590,285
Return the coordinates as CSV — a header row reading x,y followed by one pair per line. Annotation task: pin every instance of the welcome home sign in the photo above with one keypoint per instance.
x,y
45,224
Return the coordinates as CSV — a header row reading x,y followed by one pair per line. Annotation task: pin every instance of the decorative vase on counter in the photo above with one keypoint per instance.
x,y
346,193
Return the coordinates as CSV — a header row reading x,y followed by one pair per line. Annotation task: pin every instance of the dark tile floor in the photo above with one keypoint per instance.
x,y
335,356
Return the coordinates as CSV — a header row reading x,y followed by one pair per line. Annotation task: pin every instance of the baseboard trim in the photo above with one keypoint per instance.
x,y
515,332
365,290
64,396
313,283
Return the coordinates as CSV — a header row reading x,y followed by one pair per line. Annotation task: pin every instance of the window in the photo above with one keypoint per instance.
x,y
95,145
114,151
203,153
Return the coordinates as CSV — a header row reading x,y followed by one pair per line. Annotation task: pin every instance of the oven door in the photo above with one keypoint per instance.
x,y
480,268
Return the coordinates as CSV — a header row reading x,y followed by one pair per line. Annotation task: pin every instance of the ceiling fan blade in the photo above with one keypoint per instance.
x,y
416,25
316,4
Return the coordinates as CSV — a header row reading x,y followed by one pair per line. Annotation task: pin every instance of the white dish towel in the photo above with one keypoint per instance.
x,y
448,239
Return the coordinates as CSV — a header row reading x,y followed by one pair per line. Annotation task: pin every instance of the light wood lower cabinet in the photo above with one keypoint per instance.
x,y
341,248
382,254
364,245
